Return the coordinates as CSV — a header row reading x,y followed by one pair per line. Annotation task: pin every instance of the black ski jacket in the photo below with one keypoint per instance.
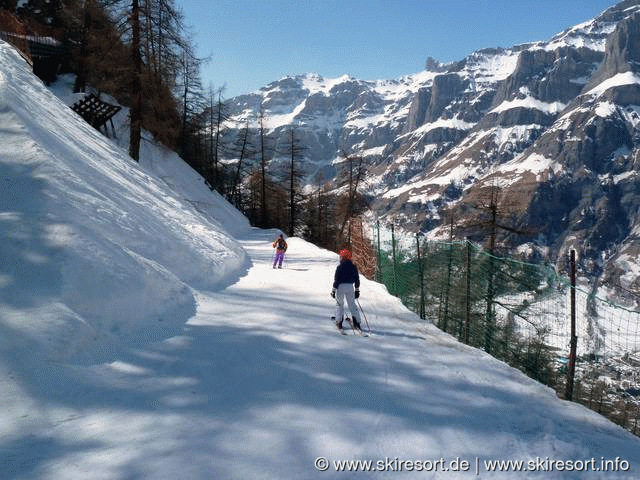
x,y
346,272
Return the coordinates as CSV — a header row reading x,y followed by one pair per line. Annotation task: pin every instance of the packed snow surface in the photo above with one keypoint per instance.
x,y
144,334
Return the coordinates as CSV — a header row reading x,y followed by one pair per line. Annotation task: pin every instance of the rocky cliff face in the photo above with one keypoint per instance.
x,y
553,127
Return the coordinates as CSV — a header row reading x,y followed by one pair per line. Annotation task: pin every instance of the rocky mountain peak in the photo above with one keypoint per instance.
x,y
622,52
548,122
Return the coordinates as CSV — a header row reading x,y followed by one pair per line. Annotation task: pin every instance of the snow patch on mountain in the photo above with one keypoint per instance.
x,y
486,67
535,164
453,123
529,102
618,80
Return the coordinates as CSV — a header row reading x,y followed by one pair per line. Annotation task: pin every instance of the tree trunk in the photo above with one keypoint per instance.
x,y
136,87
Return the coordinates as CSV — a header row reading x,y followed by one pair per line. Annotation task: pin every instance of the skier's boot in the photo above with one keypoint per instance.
x,y
338,324
356,324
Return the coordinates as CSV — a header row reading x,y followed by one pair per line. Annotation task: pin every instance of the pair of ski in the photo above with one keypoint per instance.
x,y
356,331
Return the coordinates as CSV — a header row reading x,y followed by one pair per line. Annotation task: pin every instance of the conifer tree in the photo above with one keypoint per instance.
x,y
352,171
294,151
243,150
264,158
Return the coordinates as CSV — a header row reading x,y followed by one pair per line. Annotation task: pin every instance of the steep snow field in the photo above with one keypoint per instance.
x,y
144,335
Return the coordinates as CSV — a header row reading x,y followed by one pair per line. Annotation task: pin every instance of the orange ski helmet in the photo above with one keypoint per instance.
x,y
346,254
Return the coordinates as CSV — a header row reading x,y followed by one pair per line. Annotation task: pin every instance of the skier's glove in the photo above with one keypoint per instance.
x,y
357,293
333,293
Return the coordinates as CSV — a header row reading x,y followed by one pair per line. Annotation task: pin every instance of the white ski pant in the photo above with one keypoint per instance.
x,y
346,291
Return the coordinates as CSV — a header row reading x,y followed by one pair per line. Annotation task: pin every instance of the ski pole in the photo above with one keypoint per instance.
x,y
364,316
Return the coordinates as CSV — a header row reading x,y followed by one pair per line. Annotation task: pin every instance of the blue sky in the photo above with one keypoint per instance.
x,y
254,42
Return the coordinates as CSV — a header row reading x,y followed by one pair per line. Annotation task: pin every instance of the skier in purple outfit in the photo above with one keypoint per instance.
x,y
281,246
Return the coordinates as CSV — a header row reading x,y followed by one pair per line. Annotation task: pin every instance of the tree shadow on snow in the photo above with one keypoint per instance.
x,y
229,376
26,455
28,274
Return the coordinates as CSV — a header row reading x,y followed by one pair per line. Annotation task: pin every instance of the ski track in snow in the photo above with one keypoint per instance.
x,y
260,384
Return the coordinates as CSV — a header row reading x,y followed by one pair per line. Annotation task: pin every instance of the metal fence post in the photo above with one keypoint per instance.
x,y
467,320
571,371
421,273
379,258
393,249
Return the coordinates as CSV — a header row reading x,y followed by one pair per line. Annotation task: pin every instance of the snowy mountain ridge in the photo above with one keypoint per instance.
x,y
523,118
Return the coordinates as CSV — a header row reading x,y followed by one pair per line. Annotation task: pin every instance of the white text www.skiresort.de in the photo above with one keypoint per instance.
x,y
537,464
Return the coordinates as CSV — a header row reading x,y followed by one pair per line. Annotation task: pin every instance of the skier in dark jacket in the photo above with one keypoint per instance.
x,y
346,285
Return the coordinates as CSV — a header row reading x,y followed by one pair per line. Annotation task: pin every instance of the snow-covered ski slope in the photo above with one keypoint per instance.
x,y
144,335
